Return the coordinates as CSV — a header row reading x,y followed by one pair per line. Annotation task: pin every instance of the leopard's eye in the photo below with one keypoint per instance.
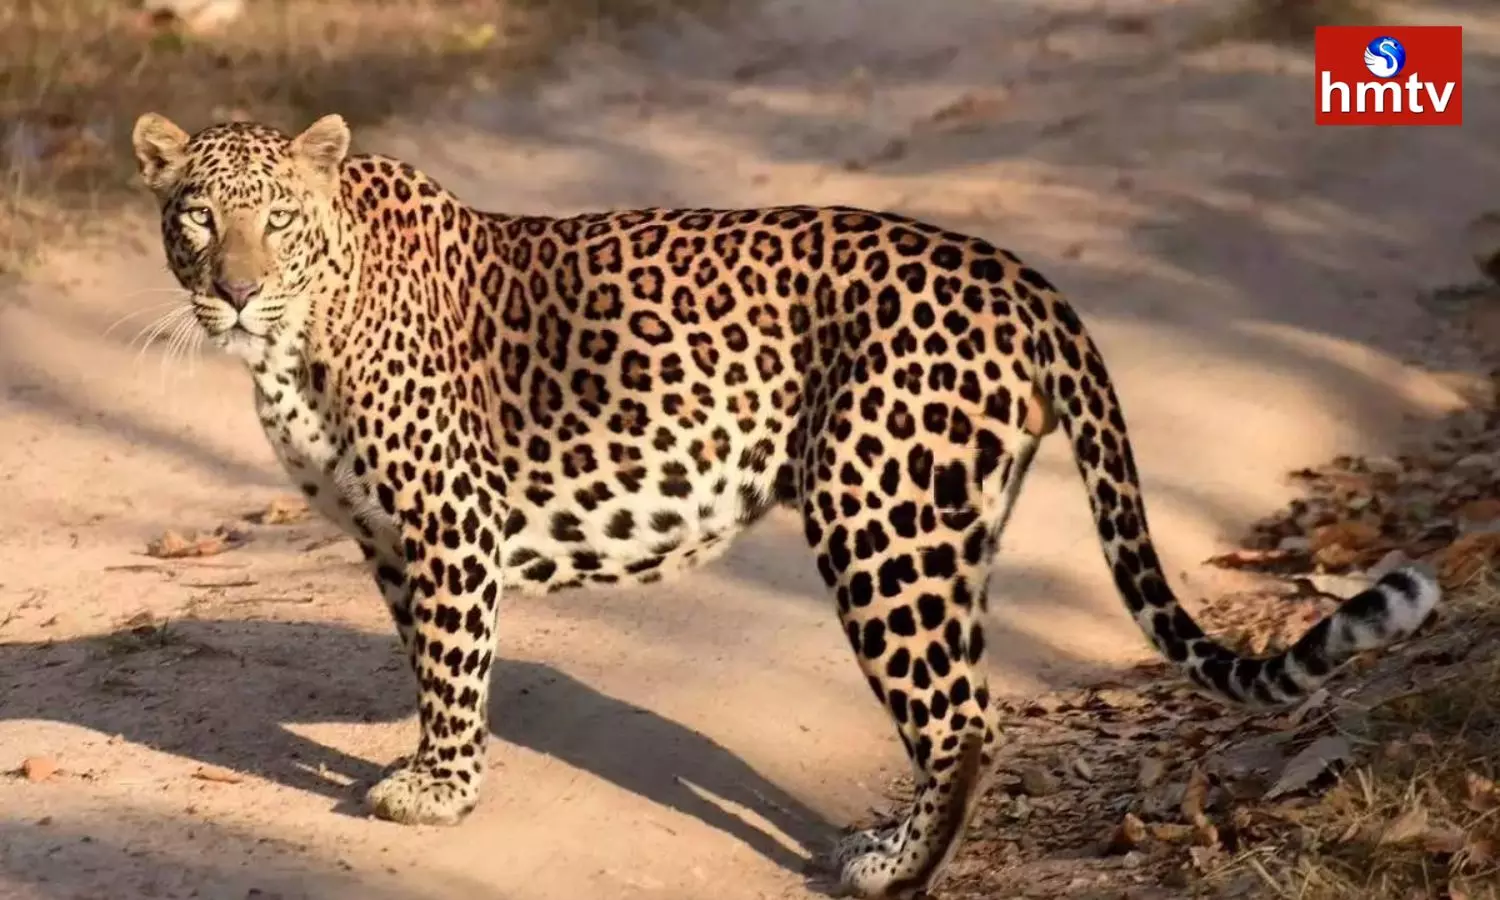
x,y
278,219
201,216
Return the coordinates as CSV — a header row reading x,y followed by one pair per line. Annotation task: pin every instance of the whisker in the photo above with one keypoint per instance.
x,y
165,317
174,344
195,351
150,333
169,358
137,312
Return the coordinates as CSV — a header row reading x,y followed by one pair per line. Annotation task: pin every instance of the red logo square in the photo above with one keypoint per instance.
x,y
1389,75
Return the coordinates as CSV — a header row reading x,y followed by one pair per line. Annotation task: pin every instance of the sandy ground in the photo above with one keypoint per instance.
x,y
1250,278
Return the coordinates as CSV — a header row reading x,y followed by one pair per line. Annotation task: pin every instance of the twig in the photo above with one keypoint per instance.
x,y
1260,870
251,600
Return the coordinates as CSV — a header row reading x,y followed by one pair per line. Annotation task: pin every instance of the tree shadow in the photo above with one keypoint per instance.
x,y
180,689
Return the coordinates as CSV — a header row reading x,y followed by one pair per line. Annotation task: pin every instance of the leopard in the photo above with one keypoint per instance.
x,y
494,404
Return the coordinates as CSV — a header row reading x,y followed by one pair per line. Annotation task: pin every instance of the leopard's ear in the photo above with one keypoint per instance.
x,y
160,149
323,145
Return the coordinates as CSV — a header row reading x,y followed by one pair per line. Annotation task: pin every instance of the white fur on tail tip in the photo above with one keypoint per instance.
x,y
1406,597
1410,609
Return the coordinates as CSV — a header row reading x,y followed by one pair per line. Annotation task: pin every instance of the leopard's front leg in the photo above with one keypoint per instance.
x,y
451,550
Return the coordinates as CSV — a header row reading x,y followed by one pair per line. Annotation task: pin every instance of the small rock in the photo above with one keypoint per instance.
x,y
1084,770
39,768
1476,462
1038,782
1151,772
1020,809
1203,857
1294,543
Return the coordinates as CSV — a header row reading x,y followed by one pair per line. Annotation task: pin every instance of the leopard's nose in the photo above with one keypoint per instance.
x,y
236,293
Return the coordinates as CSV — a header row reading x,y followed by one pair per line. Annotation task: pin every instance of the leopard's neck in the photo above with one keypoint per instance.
x,y
297,379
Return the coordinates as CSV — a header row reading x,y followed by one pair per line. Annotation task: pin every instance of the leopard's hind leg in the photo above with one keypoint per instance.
x,y
906,546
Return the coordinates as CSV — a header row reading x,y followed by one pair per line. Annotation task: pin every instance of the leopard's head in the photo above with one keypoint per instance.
x,y
249,217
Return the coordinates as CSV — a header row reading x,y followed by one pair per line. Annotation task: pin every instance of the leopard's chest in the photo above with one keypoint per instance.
x,y
324,463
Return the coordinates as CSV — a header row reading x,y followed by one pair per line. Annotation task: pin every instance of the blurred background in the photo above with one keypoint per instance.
x,y
74,74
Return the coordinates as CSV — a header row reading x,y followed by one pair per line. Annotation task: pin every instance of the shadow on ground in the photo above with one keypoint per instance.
x,y
149,855
177,691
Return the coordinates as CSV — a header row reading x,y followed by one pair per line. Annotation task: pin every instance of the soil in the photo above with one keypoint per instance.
x,y
200,722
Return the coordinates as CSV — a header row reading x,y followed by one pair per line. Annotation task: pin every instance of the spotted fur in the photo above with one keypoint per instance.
x,y
522,403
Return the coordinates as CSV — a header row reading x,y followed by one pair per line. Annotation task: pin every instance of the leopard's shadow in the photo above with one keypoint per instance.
x,y
220,692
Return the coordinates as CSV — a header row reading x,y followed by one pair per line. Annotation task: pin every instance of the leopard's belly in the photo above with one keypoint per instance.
x,y
613,537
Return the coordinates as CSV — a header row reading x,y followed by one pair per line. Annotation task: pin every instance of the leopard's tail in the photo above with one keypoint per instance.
x,y
1070,376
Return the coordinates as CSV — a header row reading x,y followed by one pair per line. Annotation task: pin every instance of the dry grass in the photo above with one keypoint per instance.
x,y
1420,816
76,73
1382,788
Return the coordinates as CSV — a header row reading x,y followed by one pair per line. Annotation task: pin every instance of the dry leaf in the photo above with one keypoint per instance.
x,y
172,545
218,776
1306,767
1255,559
1467,558
1129,834
39,768
1443,840
1351,535
1479,511
1173,832
1479,791
1481,852
1195,797
1405,828
1337,556
282,511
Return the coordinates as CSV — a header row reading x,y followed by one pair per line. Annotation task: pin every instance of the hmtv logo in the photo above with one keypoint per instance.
x,y
1374,75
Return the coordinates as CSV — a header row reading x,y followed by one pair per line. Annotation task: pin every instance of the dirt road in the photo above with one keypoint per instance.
x,y
1250,279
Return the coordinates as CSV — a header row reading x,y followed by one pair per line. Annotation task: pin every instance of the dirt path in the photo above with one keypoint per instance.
x,y
1250,280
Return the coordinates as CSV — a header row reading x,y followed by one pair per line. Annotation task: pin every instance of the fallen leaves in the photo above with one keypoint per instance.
x,y
1440,504
1407,827
1382,785
216,775
281,511
174,545
1479,792
1321,756
1128,835
1342,545
1467,558
39,768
